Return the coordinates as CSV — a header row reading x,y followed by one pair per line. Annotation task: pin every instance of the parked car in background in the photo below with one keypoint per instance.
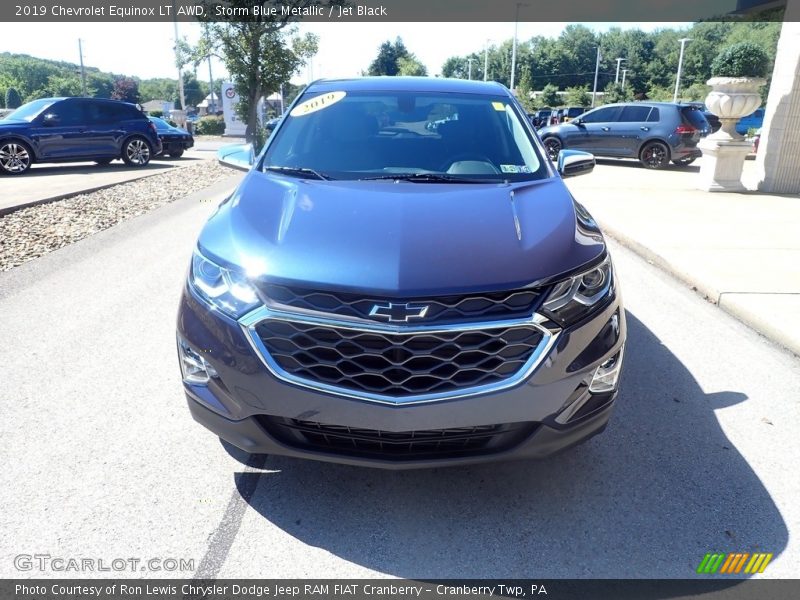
x,y
654,133
753,121
568,113
380,294
712,119
74,130
174,140
541,117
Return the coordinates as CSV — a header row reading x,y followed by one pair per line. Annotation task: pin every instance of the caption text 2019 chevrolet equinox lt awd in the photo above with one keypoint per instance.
x,y
403,280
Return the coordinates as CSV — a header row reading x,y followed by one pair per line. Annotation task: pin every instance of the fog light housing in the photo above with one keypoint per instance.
x,y
607,374
194,368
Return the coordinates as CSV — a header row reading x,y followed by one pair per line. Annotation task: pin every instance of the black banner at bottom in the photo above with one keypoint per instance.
x,y
403,589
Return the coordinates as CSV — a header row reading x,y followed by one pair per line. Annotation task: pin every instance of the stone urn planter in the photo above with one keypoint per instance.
x,y
732,98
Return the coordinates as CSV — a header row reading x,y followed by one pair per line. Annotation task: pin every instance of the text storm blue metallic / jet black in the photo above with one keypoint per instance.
x,y
403,280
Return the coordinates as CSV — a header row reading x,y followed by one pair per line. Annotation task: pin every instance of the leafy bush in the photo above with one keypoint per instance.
x,y
13,99
744,59
157,113
210,126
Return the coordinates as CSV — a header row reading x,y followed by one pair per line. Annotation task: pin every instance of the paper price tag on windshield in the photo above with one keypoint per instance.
x,y
317,103
499,106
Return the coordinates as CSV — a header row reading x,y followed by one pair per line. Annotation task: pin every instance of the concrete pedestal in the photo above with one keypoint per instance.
x,y
721,170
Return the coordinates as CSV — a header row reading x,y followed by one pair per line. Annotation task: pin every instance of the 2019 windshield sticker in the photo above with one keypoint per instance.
x,y
317,103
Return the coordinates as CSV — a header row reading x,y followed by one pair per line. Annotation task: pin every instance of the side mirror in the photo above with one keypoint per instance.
x,y
575,162
577,121
51,120
238,156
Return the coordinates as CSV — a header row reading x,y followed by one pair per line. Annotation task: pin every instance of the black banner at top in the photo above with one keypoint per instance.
x,y
390,11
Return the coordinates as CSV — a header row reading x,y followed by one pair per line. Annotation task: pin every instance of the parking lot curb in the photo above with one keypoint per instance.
x,y
707,292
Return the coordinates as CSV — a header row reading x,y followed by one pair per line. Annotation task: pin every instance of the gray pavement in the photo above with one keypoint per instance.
x,y
101,458
48,181
740,251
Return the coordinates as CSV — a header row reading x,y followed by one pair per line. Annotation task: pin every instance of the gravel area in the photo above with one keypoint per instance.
x,y
33,232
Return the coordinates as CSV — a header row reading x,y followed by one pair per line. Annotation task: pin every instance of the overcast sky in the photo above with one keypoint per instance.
x,y
145,49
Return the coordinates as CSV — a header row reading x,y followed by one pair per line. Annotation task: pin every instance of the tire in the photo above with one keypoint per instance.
x,y
104,161
654,155
15,157
553,146
136,152
685,161
176,153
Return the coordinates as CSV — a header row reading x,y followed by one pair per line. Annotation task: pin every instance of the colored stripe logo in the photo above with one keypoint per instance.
x,y
734,563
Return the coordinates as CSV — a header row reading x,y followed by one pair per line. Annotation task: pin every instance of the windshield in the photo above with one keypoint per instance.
x,y
28,112
424,136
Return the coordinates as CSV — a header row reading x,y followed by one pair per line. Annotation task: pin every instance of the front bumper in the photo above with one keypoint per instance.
x,y
552,409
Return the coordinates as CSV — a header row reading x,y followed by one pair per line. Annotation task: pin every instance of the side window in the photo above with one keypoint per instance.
x,y
68,112
655,116
631,114
100,112
601,115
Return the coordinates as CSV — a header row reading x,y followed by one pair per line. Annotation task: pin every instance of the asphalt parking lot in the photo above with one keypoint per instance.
x,y
102,459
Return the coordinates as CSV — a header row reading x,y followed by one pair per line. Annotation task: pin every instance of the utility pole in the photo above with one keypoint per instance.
x,y
469,68
616,79
624,72
180,70
212,103
486,61
83,71
680,68
596,73
514,46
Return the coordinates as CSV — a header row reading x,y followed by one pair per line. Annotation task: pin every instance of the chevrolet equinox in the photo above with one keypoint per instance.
x,y
402,279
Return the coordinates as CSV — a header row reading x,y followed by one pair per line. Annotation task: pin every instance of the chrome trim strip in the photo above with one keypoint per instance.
x,y
249,322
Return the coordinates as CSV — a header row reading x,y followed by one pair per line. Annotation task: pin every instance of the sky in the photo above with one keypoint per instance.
x,y
145,49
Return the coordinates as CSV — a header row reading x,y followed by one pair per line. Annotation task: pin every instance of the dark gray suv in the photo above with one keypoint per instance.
x,y
654,133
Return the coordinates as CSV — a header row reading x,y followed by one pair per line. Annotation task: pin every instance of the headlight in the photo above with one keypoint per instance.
x,y
575,298
226,290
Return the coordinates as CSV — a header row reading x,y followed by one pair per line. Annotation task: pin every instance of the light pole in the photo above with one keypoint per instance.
x,y
469,68
514,45
596,73
624,72
680,68
616,79
486,60
83,71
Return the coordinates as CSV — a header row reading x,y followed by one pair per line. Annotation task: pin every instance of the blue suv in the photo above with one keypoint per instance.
x,y
74,130
383,292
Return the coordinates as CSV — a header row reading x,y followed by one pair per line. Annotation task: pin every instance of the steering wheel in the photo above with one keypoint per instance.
x,y
464,156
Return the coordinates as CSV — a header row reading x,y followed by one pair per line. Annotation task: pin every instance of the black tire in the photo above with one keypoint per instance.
x,y
176,153
685,161
104,161
553,146
654,155
136,152
15,157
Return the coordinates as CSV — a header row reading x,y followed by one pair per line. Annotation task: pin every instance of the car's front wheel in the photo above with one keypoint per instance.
x,y
15,157
654,155
136,152
553,146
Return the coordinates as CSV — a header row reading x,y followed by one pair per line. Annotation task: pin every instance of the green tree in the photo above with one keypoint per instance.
x,y
550,96
578,96
410,65
389,55
614,92
525,88
259,54
2,98
13,99
125,89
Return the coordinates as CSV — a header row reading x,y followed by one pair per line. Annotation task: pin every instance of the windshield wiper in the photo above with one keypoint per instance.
x,y
299,171
426,178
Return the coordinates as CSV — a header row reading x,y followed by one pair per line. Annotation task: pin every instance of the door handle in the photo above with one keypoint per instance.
x,y
606,128
644,128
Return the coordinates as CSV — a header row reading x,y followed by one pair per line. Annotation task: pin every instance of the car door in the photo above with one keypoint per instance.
x,y
103,122
591,131
60,132
630,129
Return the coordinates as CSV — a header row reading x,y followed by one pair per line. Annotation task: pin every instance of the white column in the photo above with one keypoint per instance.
x,y
778,158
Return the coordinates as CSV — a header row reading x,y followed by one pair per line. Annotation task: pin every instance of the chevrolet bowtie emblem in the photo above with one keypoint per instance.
x,y
398,312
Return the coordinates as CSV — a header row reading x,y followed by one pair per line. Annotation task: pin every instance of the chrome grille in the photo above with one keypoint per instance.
x,y
441,309
395,364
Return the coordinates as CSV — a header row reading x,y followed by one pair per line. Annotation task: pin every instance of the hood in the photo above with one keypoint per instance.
x,y
13,124
399,238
